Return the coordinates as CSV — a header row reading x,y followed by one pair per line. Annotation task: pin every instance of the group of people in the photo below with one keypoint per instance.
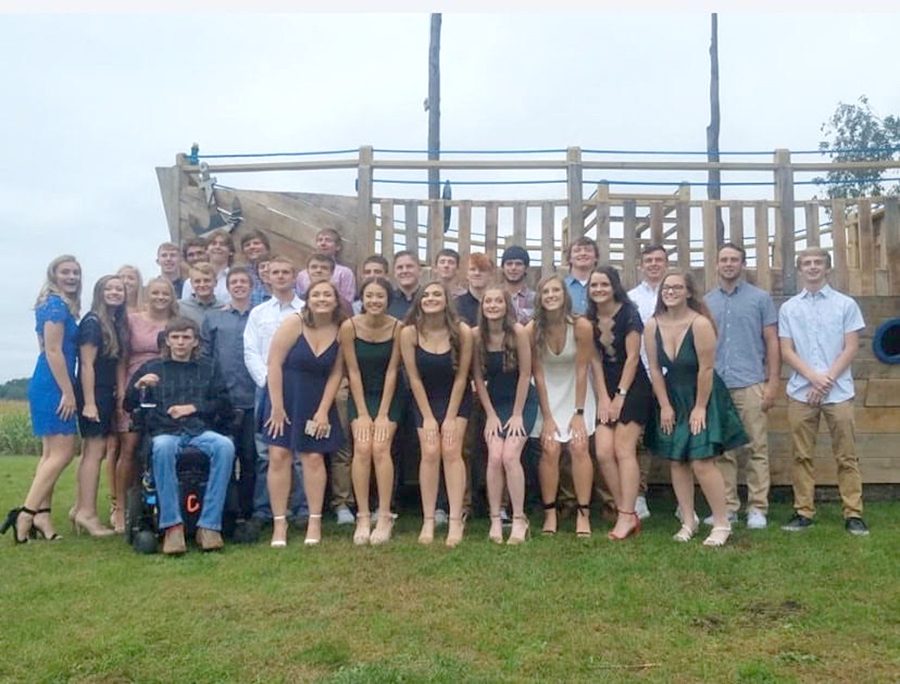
x,y
318,381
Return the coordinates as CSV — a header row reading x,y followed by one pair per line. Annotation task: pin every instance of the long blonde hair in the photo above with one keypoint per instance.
x,y
541,321
51,288
135,301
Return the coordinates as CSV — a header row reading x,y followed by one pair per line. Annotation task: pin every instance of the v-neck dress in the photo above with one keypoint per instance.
x,y
724,429
559,377
304,379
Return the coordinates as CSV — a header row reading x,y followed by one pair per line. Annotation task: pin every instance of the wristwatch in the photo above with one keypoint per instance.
x,y
579,411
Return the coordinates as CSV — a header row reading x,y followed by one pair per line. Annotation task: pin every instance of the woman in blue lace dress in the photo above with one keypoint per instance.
x,y
51,395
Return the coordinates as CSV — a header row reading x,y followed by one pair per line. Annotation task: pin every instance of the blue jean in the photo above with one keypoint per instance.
x,y
261,507
221,461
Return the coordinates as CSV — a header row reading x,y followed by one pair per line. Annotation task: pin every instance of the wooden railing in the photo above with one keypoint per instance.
x,y
864,236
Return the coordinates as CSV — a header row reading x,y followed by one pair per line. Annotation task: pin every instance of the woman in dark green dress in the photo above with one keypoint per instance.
x,y
696,420
370,344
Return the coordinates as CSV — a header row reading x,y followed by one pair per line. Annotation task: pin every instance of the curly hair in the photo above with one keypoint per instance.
x,y
541,319
508,323
416,318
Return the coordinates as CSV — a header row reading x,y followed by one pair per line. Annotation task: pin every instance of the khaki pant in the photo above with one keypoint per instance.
x,y
341,479
748,401
804,423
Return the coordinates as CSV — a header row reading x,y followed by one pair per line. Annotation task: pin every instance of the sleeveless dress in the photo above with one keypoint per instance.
x,y
43,392
501,387
304,379
559,376
437,373
373,359
724,429
90,332
143,346
638,402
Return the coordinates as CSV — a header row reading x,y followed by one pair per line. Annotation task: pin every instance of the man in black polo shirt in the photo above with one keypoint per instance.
x,y
406,275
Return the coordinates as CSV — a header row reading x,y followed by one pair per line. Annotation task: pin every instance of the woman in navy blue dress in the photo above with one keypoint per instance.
x,y
304,371
102,343
51,395
437,353
502,371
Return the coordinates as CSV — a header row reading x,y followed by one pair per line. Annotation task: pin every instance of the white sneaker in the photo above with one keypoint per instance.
x,y
344,516
756,520
505,520
640,507
441,518
732,518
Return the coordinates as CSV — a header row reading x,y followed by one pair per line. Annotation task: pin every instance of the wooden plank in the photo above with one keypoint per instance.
x,y
435,230
881,392
709,245
491,219
840,274
813,238
547,241
761,231
411,215
465,231
656,222
683,227
520,222
603,242
574,193
866,248
387,229
736,222
890,239
784,226
629,243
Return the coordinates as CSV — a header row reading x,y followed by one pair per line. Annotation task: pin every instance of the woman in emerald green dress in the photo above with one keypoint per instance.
x,y
370,344
697,420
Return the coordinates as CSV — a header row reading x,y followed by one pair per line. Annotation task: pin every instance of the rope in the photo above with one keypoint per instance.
x,y
274,154
539,151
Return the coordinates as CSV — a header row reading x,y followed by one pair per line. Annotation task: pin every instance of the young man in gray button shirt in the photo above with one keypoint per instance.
x,y
749,361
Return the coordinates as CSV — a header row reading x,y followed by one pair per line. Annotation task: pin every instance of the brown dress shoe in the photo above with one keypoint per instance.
x,y
209,540
173,544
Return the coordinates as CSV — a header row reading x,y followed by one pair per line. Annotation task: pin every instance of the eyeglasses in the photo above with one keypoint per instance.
x,y
673,288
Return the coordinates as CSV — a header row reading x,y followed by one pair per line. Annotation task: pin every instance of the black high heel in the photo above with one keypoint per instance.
x,y
35,530
11,519
551,506
585,511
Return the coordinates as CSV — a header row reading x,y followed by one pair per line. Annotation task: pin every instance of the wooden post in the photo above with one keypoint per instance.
x,y
520,221
736,222
465,232
364,219
890,239
784,225
387,229
813,238
656,222
411,211
683,229
435,230
434,106
179,219
710,227
574,193
629,243
866,248
547,239
491,215
841,273
761,231
603,221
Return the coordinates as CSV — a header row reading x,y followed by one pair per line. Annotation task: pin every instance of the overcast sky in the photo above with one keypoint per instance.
x,y
92,103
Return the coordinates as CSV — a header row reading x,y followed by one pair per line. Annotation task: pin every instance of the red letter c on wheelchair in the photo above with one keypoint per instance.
x,y
192,503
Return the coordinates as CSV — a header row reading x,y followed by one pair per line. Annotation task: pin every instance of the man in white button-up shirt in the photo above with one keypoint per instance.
x,y
819,331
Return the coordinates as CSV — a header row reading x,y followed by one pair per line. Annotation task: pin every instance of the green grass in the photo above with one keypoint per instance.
x,y
770,607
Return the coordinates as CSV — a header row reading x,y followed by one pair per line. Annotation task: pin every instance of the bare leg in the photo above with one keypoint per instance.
x,y
515,482
495,486
548,474
683,484
58,451
278,479
384,480
314,479
455,476
125,474
429,472
583,479
629,477
605,445
92,453
713,486
360,470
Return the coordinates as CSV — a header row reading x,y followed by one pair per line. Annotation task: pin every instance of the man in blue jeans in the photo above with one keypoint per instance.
x,y
184,397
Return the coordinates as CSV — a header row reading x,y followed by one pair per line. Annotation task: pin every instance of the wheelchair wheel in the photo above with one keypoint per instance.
x,y
134,514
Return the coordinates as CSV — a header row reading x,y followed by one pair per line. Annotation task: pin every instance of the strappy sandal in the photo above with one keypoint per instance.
x,y
427,537
636,530
495,534
279,543
10,523
718,536
551,506
313,541
583,510
382,532
514,538
35,530
363,529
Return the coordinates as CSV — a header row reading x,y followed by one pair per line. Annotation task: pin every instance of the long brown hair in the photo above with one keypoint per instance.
x,y
113,320
694,302
508,323
337,316
541,322
416,318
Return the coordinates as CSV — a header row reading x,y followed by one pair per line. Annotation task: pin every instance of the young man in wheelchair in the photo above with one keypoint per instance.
x,y
183,398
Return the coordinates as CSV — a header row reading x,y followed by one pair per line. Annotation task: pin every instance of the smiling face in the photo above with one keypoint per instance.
x,y
406,272
114,292
203,285
600,289
319,270
478,279
583,257
433,299
321,298
493,304
653,265
253,249
814,269
159,296
130,277
219,250
374,299
514,270
729,264
553,295
182,344
168,259
195,253
239,287
673,290
67,277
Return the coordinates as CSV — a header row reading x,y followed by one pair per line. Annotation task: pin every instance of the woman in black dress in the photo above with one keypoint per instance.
x,y
625,395
102,341
437,353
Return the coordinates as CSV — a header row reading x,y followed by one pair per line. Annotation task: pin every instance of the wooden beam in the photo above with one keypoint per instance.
x,y
866,248
465,231
761,230
890,240
709,245
656,222
736,222
435,230
411,215
387,229
574,193
784,226
602,195
547,239
840,274
365,237
491,220
520,222
629,243
813,239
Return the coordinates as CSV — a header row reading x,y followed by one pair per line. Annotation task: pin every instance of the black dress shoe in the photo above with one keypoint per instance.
x,y
856,527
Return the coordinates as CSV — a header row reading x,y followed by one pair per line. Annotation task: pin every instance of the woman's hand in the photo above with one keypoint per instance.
x,y
320,418
667,419
549,431
577,429
615,408
515,426
382,428
448,431
698,420
430,428
277,421
492,427
66,408
91,413
362,429
603,409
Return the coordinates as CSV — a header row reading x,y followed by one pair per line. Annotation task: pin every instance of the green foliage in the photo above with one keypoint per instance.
x,y
855,127
16,437
15,390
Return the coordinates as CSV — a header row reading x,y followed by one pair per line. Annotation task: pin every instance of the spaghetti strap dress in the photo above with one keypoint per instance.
x,y
559,377
43,393
724,429
304,378
438,375
638,403
373,359
501,387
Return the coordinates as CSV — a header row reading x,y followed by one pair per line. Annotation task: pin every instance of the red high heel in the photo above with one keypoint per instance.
x,y
636,530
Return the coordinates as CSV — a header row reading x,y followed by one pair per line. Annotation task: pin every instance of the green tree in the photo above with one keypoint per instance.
x,y
860,135
15,389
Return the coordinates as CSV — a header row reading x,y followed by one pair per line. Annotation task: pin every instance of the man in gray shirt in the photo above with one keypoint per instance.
x,y
749,361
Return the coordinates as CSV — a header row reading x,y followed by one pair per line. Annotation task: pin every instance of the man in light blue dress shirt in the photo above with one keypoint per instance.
x,y
819,331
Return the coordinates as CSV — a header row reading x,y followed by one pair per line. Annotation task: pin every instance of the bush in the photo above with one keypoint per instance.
x,y
16,437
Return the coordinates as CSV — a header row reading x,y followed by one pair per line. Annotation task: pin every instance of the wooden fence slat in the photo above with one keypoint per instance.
x,y
866,248
683,227
603,221
840,274
520,222
656,222
630,243
575,194
709,245
387,229
890,239
465,231
736,222
491,219
784,224
812,224
411,215
435,230
365,220
547,241
761,230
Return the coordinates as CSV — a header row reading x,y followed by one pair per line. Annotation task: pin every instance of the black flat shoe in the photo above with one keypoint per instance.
x,y
37,532
11,519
